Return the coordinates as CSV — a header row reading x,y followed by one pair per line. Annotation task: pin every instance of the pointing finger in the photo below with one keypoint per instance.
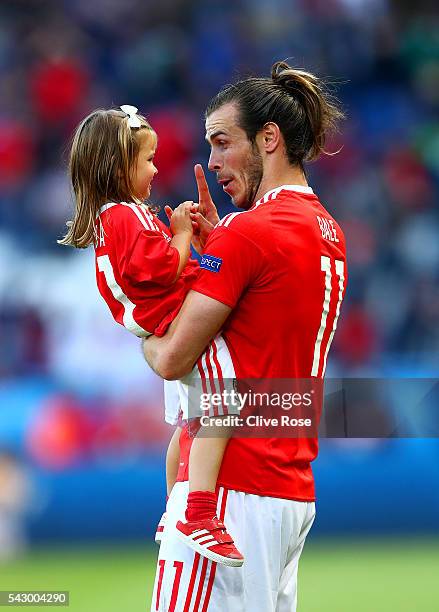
x,y
203,188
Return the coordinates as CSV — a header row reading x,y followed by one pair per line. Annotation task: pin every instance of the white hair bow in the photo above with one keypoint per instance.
x,y
131,112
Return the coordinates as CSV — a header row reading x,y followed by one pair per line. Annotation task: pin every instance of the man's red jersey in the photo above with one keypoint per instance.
x,y
281,266
136,268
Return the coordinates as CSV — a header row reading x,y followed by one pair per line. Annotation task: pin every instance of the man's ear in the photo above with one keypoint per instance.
x,y
269,137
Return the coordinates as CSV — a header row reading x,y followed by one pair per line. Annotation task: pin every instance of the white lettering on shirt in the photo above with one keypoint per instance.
x,y
328,229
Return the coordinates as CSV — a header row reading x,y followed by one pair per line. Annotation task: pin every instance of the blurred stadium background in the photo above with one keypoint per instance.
x,y
81,432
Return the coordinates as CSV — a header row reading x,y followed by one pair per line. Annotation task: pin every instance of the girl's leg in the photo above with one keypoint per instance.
x,y
205,461
204,464
203,531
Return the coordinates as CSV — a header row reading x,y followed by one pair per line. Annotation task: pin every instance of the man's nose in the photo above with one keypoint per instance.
x,y
214,164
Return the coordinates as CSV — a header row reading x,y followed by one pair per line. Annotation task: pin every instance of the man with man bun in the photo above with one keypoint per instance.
x,y
272,279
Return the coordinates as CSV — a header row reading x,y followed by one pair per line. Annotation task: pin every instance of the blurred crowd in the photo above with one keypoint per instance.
x,y
60,59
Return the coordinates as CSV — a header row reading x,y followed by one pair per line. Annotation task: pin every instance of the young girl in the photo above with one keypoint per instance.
x,y
143,272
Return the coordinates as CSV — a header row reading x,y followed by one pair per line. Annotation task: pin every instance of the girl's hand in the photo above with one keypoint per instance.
x,y
181,229
180,218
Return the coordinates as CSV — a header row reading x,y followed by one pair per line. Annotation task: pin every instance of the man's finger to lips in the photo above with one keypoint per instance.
x,y
201,179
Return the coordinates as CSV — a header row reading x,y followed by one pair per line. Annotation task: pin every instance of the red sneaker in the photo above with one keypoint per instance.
x,y
210,538
160,529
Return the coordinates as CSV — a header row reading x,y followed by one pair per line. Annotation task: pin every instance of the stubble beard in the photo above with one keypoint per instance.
x,y
253,173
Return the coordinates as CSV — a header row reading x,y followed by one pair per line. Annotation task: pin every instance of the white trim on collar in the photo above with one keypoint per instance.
x,y
270,195
273,193
105,207
299,188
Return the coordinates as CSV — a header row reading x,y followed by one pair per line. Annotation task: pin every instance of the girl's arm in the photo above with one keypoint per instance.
x,y
181,229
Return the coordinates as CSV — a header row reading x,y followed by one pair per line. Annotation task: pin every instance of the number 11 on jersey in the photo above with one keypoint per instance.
x,y
340,272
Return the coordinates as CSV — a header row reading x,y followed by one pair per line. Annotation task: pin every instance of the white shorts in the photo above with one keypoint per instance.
x,y
270,533
212,373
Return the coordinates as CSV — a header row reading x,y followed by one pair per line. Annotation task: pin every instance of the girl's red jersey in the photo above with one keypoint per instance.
x,y
136,268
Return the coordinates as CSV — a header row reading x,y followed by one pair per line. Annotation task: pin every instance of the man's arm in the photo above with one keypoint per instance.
x,y
174,355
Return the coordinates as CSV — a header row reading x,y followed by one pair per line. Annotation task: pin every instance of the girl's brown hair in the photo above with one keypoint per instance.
x,y
103,153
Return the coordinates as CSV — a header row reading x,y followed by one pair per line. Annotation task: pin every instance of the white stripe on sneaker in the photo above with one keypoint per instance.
x,y
209,540
199,533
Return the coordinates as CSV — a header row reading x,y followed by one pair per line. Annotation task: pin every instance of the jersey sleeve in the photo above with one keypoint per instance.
x,y
152,259
230,263
143,251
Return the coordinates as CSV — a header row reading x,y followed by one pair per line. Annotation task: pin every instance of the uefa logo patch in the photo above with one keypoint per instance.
x,y
209,262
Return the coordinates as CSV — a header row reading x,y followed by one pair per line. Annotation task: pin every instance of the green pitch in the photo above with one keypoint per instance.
x,y
365,576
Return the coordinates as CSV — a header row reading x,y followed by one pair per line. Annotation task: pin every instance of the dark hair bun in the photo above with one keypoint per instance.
x,y
317,104
278,72
293,80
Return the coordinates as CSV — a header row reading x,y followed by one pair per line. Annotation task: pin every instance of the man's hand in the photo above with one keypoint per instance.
x,y
199,320
201,229
206,206
204,215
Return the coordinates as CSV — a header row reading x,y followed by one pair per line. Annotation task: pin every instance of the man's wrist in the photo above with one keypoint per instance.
x,y
214,219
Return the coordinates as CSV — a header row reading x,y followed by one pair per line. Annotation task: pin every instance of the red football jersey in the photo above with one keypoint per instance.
x,y
281,266
136,268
